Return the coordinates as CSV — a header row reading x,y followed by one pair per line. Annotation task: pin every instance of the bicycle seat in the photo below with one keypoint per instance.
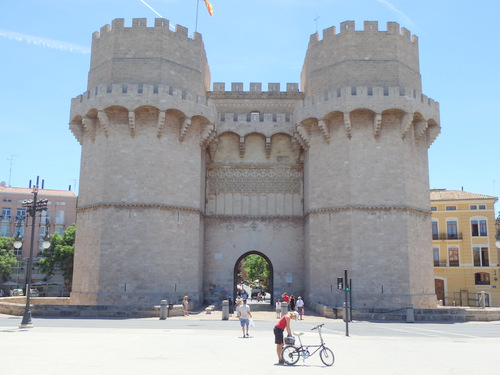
x,y
298,333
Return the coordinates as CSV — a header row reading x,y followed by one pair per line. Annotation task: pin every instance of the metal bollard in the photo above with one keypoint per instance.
x,y
225,310
345,311
410,314
163,309
284,308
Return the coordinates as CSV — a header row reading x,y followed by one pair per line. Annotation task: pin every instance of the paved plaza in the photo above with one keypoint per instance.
x,y
205,344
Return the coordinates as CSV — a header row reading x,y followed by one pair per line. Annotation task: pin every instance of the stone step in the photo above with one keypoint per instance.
x,y
261,306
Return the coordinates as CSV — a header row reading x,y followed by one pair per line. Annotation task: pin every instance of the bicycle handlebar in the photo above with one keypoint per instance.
x,y
318,326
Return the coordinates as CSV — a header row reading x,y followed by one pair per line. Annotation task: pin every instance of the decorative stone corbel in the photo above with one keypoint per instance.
x,y
420,128
104,121
131,123
299,140
297,149
161,123
77,130
347,124
186,124
212,149
377,124
406,122
242,146
89,126
323,127
208,135
268,147
303,136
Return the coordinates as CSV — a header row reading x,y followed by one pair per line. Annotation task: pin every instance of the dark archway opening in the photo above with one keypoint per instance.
x,y
253,282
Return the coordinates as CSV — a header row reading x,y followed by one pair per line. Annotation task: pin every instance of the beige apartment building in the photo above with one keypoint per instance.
x,y
466,259
14,220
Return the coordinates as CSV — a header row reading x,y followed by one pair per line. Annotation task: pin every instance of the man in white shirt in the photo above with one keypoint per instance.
x,y
300,307
244,316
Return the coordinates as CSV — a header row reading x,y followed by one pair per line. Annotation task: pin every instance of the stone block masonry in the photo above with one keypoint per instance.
x,y
179,182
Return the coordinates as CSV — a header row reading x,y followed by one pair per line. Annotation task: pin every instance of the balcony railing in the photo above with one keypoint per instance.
x,y
447,236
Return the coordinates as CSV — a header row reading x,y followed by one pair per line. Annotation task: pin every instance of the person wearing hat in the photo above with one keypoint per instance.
x,y
279,328
300,306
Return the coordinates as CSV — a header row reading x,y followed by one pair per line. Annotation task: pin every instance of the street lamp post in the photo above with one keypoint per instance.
x,y
32,207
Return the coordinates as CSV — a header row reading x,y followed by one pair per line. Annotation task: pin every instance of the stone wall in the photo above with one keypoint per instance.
x,y
178,183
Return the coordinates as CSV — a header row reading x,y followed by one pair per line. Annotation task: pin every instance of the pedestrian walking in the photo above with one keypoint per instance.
x,y
279,328
244,316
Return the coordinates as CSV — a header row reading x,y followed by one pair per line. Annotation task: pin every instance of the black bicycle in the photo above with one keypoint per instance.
x,y
292,353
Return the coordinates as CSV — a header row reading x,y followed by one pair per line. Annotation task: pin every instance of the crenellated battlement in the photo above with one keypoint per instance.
x,y
371,27
343,94
255,87
161,25
142,54
137,90
361,58
379,100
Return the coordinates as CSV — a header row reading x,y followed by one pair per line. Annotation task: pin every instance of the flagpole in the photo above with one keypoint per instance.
x,y
196,24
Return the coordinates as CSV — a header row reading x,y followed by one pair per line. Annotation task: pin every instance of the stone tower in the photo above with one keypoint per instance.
x,y
140,125
179,183
366,129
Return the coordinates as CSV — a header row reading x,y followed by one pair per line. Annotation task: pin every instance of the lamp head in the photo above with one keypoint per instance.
x,y
46,241
18,241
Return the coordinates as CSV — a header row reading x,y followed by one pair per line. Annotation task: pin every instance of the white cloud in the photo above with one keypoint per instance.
x,y
43,42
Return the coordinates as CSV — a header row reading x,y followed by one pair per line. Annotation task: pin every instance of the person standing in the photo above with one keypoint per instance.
x,y
291,303
279,328
231,305
244,316
286,297
300,307
278,308
185,304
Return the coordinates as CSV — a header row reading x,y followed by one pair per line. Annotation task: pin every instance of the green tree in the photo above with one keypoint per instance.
x,y
60,255
256,267
7,258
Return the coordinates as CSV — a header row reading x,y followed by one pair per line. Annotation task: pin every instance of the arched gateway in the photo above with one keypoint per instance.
x,y
176,179
269,281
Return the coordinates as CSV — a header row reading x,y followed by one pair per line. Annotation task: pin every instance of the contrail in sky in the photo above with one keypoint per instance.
x,y
396,10
158,14
43,42
149,6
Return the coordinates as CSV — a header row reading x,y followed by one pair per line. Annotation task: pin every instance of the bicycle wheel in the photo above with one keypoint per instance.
x,y
327,356
290,355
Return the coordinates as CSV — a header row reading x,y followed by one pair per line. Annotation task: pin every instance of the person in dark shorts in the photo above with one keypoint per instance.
x,y
279,328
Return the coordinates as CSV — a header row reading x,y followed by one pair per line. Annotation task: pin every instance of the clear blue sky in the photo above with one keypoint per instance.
x,y
45,54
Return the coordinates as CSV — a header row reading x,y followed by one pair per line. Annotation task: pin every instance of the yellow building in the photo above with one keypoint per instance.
x,y
466,259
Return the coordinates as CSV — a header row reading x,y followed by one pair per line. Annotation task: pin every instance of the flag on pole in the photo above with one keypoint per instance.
x,y
209,8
